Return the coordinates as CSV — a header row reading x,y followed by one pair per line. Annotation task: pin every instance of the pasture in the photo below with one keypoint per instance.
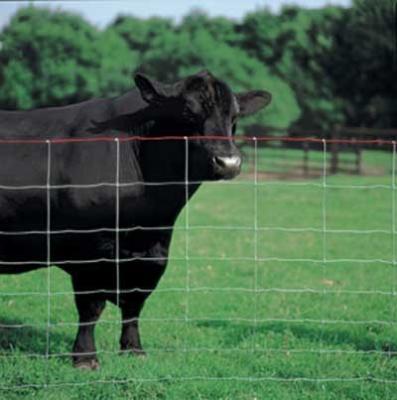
x,y
290,298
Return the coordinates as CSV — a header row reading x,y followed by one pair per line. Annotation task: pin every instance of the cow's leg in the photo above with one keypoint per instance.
x,y
89,307
139,281
130,340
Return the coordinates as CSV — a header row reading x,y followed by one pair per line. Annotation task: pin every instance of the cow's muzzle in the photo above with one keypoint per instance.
x,y
227,167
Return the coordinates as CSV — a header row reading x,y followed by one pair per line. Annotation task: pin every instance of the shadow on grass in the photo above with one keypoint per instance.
x,y
362,338
15,336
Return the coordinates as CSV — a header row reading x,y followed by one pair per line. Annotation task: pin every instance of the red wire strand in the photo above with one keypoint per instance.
x,y
197,137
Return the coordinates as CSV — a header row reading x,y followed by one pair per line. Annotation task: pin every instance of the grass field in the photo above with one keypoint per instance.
x,y
286,311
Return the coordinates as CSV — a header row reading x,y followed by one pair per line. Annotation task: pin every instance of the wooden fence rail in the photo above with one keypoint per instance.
x,y
336,149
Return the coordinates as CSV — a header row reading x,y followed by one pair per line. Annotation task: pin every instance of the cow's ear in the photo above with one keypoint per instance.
x,y
151,90
252,101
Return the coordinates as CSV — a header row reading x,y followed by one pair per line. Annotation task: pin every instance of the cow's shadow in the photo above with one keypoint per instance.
x,y
30,340
17,336
368,339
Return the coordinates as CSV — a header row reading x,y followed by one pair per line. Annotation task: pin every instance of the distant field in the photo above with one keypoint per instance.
x,y
303,307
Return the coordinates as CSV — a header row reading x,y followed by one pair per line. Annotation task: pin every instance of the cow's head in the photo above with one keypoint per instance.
x,y
203,106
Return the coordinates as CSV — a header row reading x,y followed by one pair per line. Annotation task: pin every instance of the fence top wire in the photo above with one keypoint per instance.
x,y
62,140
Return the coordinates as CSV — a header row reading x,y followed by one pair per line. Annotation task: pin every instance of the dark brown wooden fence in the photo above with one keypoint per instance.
x,y
337,146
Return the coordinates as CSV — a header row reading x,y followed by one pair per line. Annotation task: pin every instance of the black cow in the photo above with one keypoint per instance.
x,y
84,204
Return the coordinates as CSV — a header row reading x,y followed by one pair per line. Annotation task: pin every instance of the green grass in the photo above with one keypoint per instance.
x,y
311,330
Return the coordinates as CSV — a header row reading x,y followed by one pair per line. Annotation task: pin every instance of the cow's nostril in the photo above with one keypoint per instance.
x,y
219,161
232,162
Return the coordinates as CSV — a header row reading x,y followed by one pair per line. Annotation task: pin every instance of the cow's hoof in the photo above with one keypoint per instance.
x,y
91,364
139,353
135,352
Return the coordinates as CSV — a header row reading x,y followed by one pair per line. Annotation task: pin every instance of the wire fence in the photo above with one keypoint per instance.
x,y
249,237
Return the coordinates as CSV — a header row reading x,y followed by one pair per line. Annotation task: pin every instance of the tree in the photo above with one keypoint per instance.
x,y
264,35
54,58
140,33
221,29
362,63
295,45
117,62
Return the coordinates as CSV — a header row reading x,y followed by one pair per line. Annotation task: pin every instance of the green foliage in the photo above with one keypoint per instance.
x,y
139,33
308,72
220,28
364,63
293,45
340,62
116,64
324,67
263,36
54,58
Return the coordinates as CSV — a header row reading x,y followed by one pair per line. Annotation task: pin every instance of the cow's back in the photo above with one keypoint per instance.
x,y
47,123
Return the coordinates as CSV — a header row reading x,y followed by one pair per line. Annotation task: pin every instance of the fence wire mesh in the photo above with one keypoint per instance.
x,y
256,251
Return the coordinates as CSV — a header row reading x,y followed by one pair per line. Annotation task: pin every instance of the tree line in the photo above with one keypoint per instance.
x,y
325,67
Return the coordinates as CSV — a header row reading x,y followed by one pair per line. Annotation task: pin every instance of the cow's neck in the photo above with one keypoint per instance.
x,y
163,169
129,103
127,115
159,161
132,115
